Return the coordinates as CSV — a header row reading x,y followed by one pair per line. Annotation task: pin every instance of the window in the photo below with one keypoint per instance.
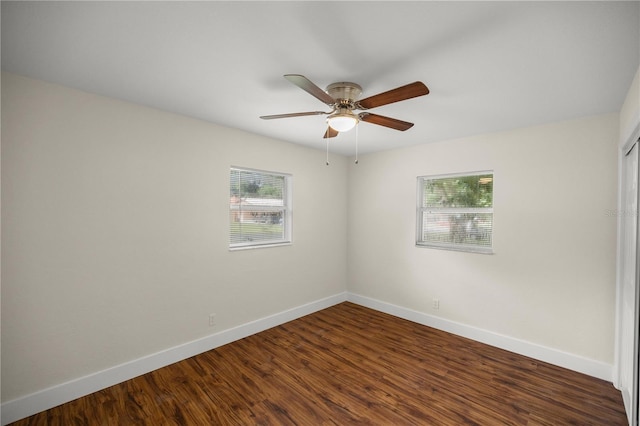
x,y
259,208
455,212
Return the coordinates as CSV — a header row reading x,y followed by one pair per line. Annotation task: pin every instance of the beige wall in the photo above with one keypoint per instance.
x,y
630,112
551,280
115,233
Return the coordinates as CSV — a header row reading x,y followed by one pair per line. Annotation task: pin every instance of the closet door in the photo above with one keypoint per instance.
x,y
629,297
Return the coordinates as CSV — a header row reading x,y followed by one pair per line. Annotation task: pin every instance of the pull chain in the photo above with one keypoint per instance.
x,y
357,125
327,139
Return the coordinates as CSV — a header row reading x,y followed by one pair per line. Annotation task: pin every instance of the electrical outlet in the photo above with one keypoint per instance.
x,y
436,304
212,320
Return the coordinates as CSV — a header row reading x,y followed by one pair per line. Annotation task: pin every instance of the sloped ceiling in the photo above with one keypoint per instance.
x,y
490,66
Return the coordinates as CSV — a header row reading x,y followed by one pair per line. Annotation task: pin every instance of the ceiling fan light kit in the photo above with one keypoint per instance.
x,y
343,98
343,120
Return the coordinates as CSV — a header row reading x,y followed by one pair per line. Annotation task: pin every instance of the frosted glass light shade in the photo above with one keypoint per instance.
x,y
342,122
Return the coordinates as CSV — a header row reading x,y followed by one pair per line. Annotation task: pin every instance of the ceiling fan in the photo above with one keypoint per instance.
x,y
343,97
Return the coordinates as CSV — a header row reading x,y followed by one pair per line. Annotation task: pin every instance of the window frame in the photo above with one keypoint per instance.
x,y
286,209
421,209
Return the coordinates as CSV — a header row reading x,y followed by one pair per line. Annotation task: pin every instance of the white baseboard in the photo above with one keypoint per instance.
x,y
48,398
43,400
567,360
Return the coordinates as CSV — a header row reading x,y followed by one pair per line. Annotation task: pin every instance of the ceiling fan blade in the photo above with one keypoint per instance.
x,y
381,120
412,90
305,84
294,114
330,133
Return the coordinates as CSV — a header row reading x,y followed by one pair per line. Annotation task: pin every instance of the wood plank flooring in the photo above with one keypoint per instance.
x,y
349,365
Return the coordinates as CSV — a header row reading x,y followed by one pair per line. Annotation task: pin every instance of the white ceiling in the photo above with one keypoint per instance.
x,y
490,66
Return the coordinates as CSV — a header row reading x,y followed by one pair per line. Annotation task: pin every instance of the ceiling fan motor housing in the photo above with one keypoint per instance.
x,y
345,93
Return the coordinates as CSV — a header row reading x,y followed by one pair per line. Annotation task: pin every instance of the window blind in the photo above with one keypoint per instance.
x,y
456,211
258,208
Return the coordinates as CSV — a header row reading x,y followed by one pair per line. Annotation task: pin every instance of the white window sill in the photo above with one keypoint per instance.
x,y
467,249
260,246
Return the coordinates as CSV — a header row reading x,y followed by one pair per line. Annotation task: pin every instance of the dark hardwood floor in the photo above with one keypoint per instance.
x,y
350,365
